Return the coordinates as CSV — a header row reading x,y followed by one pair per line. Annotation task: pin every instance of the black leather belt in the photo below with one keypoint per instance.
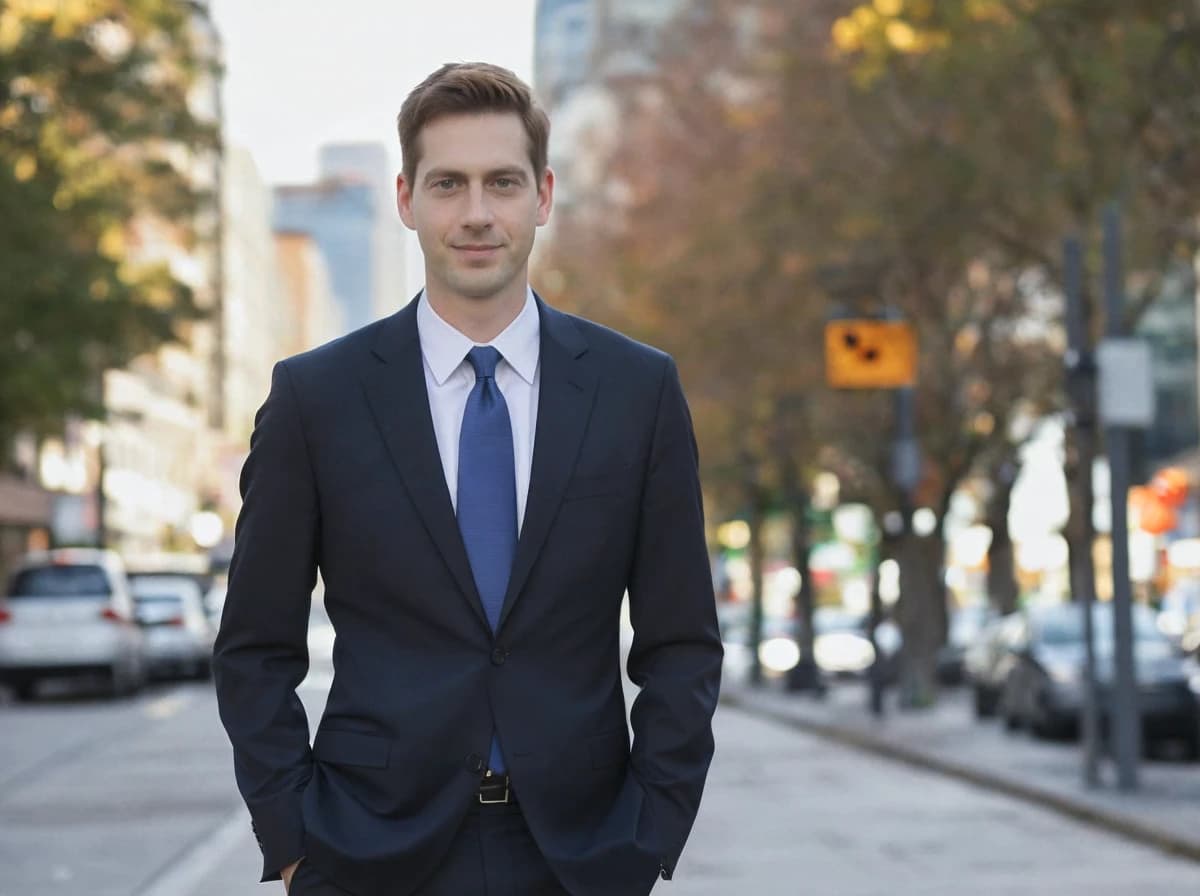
x,y
496,790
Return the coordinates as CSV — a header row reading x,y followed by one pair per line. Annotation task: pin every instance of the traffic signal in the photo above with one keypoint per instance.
x,y
870,354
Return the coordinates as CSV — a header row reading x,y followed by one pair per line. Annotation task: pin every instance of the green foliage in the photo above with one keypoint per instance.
x,y
95,134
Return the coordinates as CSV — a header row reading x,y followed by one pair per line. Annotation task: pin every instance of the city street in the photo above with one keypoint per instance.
x,y
136,798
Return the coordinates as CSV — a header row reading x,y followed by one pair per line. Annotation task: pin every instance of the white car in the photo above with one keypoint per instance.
x,y
69,613
178,634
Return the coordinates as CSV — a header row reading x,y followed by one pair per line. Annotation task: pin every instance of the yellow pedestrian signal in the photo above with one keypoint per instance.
x,y
870,354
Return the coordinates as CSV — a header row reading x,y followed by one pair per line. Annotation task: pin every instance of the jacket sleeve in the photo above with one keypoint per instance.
x,y
676,654
261,652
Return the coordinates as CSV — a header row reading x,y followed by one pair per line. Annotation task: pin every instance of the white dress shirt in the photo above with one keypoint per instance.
x,y
449,379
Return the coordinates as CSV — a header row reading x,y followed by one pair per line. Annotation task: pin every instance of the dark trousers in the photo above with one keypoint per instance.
x,y
493,854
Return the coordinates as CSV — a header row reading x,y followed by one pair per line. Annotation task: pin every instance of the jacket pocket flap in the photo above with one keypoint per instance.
x,y
352,748
610,748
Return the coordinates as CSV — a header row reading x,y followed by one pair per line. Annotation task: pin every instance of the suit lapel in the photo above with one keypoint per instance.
x,y
565,396
394,379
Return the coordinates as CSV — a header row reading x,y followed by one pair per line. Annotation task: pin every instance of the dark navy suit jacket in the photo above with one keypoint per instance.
x,y
344,475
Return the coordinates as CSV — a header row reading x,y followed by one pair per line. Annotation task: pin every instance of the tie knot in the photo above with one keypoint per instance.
x,y
484,359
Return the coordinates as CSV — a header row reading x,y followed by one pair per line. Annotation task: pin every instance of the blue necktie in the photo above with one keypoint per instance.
x,y
487,494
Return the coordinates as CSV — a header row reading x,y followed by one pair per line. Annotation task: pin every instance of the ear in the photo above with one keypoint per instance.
x,y
545,197
404,199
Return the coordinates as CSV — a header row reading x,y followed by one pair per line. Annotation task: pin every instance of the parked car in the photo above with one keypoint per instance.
x,y
842,643
1179,615
179,637
987,658
214,602
1043,688
69,613
966,623
777,650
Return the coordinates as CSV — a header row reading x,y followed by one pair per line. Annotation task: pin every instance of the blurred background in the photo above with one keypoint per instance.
x,y
929,271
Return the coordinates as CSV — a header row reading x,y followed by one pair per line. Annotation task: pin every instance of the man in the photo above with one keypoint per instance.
x,y
479,479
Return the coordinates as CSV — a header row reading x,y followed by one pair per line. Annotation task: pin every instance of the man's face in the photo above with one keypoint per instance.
x,y
475,204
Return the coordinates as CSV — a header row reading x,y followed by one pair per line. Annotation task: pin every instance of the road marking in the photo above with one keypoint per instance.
x,y
184,873
165,707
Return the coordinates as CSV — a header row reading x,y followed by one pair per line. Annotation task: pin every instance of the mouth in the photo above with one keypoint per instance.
x,y
477,249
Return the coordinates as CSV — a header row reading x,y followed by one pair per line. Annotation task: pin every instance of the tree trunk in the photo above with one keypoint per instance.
x,y
806,676
1002,588
756,514
1080,531
921,609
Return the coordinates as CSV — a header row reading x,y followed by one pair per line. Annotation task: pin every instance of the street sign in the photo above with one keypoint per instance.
x,y
870,354
1126,389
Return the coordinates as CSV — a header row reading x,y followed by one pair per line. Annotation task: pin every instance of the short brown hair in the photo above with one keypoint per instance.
x,y
468,88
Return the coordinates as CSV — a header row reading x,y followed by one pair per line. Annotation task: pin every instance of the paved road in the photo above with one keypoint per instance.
x,y
136,799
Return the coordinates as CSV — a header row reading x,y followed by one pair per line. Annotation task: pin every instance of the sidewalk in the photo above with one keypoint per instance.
x,y
1164,812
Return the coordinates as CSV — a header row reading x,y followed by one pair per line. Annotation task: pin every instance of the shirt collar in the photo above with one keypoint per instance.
x,y
445,348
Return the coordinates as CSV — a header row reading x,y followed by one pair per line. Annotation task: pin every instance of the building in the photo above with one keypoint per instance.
x,y
26,512
340,218
369,163
312,315
351,215
564,47
167,410
254,314
578,43
1170,326
590,57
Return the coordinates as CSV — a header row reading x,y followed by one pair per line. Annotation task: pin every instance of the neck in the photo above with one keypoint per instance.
x,y
480,320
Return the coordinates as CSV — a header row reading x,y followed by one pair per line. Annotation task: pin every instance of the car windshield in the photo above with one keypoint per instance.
x,y
178,587
60,581
158,607
1065,627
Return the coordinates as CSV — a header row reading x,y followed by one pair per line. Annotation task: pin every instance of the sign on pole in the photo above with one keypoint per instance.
x,y
1126,391
870,354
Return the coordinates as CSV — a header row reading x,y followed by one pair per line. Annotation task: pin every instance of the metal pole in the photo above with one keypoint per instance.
x,y
1081,384
875,673
1126,724
906,473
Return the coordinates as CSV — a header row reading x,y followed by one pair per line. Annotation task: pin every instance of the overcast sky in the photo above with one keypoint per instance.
x,y
306,72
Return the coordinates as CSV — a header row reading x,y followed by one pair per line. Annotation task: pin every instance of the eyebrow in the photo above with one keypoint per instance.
x,y
439,173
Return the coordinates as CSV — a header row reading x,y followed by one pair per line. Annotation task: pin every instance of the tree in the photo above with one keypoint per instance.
x,y
1047,109
95,129
899,155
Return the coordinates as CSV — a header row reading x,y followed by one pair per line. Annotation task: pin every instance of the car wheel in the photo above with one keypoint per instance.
x,y
1008,710
127,679
1047,727
985,703
118,680
1191,746
25,691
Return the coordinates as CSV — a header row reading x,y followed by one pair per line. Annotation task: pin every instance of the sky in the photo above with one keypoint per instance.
x,y
307,72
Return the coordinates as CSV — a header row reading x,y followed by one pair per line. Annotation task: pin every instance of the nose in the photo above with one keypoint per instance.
x,y
479,213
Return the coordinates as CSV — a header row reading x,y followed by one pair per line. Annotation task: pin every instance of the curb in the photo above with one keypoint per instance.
x,y
1114,822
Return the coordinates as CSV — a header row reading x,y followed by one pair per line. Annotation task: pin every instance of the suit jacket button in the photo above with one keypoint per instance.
x,y
499,655
475,764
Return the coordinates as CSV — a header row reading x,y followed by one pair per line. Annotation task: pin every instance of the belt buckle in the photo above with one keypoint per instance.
x,y
497,802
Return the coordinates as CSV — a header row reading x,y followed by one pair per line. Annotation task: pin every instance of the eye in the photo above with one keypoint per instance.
x,y
506,183
446,183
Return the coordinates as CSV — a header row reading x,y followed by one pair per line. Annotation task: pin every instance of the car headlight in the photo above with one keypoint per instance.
x,y
779,654
1063,673
843,652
